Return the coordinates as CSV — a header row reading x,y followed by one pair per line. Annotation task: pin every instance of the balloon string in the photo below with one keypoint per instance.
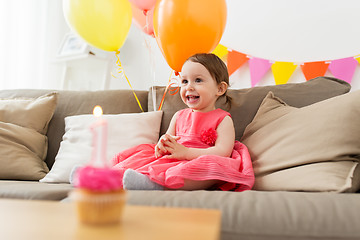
x,y
121,70
146,21
152,67
175,90
147,25
163,97
171,91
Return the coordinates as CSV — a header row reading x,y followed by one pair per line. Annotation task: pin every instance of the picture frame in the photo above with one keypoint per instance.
x,y
72,46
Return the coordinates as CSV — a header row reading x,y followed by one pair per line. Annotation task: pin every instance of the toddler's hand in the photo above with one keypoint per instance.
x,y
160,149
175,150
161,146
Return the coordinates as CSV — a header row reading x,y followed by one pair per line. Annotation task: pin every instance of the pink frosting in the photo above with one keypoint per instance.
x,y
98,179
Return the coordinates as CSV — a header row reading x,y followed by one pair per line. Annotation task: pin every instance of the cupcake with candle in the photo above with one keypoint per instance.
x,y
98,193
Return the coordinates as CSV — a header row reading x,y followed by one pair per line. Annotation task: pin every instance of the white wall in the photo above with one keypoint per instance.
x,y
56,28
292,31
278,30
142,61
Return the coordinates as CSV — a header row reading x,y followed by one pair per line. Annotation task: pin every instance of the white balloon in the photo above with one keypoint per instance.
x,y
293,31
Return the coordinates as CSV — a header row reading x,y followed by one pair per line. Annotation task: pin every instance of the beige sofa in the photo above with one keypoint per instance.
x,y
255,214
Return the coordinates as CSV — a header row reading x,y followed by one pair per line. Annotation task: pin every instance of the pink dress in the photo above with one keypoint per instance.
x,y
197,130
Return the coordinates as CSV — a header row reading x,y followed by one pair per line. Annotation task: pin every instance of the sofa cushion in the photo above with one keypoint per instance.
x,y
80,102
259,215
23,144
34,190
123,131
313,148
247,101
33,113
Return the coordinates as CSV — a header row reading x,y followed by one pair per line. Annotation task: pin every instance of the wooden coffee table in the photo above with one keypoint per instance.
x,y
25,219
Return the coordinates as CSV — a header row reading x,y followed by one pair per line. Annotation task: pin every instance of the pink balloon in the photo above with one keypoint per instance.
x,y
144,22
144,5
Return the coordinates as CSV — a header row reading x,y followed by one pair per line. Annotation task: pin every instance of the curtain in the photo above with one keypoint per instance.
x,y
22,43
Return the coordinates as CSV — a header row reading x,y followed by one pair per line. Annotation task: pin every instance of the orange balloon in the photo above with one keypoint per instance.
x,y
185,27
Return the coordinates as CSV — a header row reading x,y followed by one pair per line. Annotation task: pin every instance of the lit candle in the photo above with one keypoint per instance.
x,y
99,130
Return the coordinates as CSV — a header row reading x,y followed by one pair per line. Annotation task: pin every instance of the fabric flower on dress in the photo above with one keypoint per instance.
x,y
209,136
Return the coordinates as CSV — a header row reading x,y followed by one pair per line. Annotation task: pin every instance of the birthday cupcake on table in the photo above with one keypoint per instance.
x,y
98,193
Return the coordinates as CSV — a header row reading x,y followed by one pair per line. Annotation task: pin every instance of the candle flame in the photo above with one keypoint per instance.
x,y
97,111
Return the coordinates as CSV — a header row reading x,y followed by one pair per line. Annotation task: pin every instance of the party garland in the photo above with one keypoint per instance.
x,y
343,68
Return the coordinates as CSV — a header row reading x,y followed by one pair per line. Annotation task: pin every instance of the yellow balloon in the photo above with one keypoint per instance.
x,y
103,24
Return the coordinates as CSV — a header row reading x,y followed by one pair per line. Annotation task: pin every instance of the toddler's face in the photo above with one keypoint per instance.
x,y
199,90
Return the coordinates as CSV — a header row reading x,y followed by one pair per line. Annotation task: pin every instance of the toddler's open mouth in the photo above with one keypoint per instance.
x,y
192,98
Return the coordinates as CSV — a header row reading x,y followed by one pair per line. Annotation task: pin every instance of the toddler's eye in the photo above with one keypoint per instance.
x,y
184,81
198,80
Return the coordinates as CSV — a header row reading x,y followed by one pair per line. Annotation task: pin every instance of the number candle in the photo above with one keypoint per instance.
x,y
99,130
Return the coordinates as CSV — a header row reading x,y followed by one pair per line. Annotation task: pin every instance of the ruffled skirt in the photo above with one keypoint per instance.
x,y
235,172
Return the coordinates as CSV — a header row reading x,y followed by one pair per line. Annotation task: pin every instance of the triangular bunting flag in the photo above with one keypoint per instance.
x,y
220,51
357,58
235,60
258,68
314,69
343,68
282,71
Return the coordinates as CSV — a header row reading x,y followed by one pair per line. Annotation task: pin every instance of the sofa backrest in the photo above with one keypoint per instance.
x,y
247,101
244,107
80,102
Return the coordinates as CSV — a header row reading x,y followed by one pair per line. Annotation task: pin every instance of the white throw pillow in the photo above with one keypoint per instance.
x,y
124,131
